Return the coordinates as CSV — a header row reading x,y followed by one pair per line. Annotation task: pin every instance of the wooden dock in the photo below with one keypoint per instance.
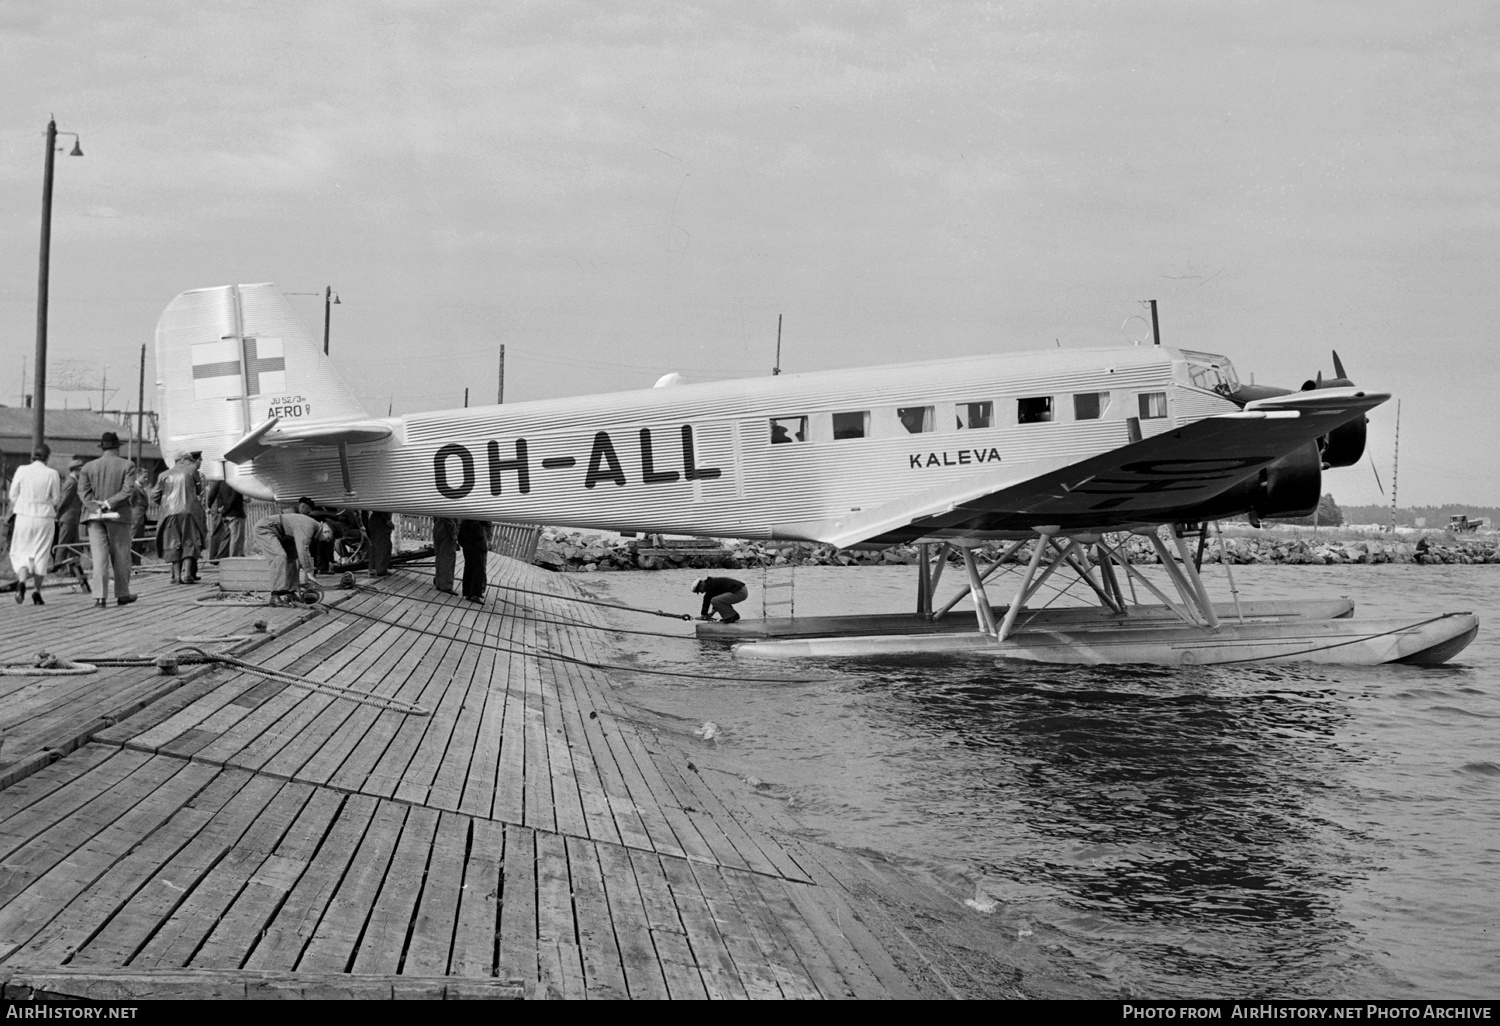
x,y
525,833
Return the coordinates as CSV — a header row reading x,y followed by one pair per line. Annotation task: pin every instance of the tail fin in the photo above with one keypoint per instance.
x,y
230,357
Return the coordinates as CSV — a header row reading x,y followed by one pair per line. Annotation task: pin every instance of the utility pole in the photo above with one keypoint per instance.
x,y
1155,327
500,389
1395,466
39,391
140,410
466,398
777,369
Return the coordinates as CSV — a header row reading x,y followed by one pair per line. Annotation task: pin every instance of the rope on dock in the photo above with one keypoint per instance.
x,y
47,665
323,687
559,657
586,602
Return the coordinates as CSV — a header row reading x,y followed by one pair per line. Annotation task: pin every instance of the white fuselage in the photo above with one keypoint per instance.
x,y
700,459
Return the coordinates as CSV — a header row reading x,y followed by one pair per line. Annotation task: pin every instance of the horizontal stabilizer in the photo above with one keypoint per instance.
x,y
271,435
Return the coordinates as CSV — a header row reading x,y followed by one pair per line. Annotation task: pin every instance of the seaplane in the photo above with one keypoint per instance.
x,y
1056,458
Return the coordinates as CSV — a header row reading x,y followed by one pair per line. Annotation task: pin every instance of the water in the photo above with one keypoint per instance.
x,y
1271,831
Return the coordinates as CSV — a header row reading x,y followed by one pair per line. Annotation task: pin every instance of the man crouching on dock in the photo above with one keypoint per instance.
x,y
721,593
286,540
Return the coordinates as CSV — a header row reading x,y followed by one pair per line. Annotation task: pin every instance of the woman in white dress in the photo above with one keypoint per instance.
x,y
35,494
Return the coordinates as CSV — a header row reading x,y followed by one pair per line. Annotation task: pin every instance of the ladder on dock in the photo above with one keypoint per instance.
x,y
778,592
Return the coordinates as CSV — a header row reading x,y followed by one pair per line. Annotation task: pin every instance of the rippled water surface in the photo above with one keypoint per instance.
x,y
1269,831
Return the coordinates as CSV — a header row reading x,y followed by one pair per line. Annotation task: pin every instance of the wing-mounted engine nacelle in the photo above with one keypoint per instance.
x,y
1341,447
1292,485
1345,444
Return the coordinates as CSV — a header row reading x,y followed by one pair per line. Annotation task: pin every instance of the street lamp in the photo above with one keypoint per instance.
x,y
39,400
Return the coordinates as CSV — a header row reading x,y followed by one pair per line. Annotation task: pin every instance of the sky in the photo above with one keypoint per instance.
x,y
615,191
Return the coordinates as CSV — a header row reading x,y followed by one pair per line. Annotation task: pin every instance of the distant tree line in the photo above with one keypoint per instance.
x,y
1432,516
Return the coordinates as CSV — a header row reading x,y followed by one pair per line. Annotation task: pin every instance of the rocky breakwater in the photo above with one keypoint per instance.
x,y
583,552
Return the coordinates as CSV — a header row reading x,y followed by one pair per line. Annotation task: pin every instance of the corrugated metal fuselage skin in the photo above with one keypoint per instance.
x,y
700,460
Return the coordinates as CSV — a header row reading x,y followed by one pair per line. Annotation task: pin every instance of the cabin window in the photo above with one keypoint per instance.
x,y
916,419
788,429
1153,405
851,425
1034,410
976,415
1090,405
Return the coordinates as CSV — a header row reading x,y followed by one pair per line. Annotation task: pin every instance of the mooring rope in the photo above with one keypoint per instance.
x,y
559,657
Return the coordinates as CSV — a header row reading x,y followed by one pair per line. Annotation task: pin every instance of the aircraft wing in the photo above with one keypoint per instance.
x,y
330,434
1145,482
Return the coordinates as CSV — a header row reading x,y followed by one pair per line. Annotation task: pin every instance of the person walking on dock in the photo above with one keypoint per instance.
x,y
180,535
444,552
69,511
140,504
105,486
35,493
287,540
721,593
474,539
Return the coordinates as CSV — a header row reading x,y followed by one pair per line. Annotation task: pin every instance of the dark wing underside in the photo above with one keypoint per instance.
x,y
1172,476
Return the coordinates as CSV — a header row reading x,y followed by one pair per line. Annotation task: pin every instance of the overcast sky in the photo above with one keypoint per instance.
x,y
618,190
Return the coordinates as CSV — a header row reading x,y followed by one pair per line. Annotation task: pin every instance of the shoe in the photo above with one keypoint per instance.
x,y
36,599
100,603
474,598
20,592
190,580
729,619
125,600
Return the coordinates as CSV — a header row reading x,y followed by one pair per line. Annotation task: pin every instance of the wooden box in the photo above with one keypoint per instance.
x,y
245,573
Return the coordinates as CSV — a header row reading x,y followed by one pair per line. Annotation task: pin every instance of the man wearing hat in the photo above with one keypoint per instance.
x,y
104,486
182,533
721,593
65,549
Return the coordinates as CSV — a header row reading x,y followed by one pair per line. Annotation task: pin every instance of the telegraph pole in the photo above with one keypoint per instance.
x,y
777,369
140,411
500,389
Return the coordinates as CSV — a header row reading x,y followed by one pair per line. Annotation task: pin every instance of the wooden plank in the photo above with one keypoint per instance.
x,y
710,952
632,930
434,925
281,945
25,793
441,742
538,797
750,962
268,887
478,794
359,740
560,969
821,966
332,946
78,862
784,959
127,986
603,968
476,933
179,937
384,940
83,916
125,934
519,930
59,803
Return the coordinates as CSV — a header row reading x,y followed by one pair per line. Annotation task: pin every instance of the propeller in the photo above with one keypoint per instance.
x,y
1339,380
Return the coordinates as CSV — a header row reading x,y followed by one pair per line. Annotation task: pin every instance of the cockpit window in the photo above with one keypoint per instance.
x,y
1211,373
